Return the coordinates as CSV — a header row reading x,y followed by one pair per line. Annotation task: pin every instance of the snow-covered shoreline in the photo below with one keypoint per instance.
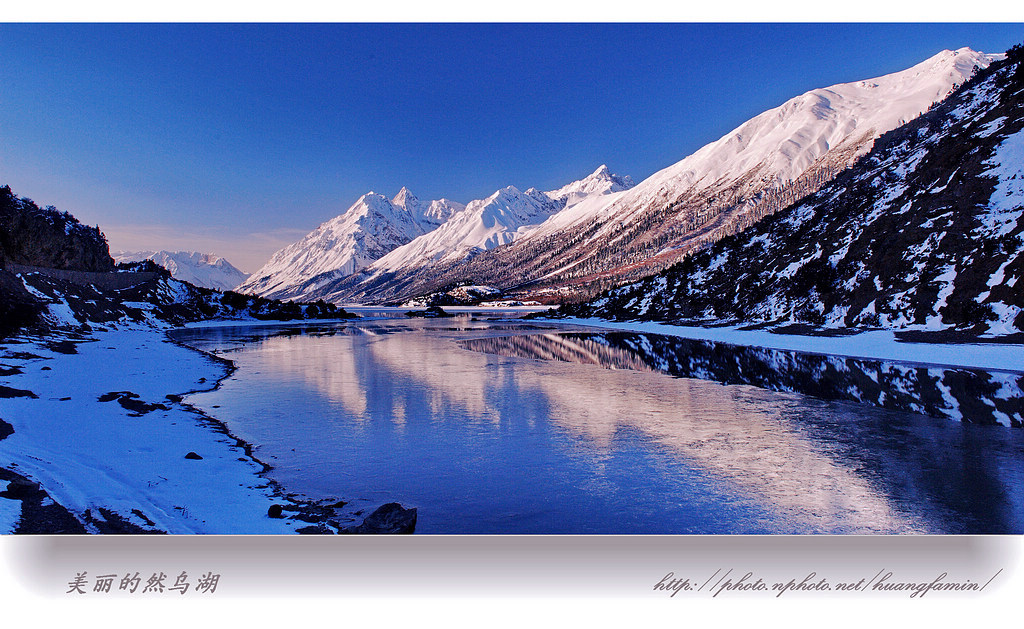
x,y
872,345
89,454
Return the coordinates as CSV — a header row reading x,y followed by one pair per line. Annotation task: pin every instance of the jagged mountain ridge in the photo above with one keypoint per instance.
x,y
924,233
201,269
764,165
414,235
370,228
600,182
497,220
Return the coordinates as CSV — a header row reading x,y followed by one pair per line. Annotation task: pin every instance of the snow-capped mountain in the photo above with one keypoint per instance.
x,y
483,225
372,227
489,223
760,167
602,230
442,232
202,269
599,182
925,233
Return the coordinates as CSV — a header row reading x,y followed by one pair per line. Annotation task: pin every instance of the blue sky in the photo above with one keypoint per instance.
x,y
240,138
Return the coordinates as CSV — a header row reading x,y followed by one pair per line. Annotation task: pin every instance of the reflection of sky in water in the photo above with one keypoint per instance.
x,y
480,442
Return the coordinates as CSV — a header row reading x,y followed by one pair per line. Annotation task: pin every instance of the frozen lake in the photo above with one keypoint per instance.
x,y
498,426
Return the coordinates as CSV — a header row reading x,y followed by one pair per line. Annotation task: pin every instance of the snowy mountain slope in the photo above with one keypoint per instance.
x,y
765,164
627,232
924,233
160,302
464,231
202,269
370,228
484,224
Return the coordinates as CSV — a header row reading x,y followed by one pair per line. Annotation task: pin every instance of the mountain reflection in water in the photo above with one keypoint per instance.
x,y
458,419
971,395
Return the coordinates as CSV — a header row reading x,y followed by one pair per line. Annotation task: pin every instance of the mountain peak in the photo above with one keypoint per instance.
x,y
405,198
624,230
202,269
601,181
507,191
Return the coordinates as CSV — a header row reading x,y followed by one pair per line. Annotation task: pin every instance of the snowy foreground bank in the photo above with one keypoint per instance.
x,y
89,454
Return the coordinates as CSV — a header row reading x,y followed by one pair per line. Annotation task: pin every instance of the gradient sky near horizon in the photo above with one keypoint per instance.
x,y
238,139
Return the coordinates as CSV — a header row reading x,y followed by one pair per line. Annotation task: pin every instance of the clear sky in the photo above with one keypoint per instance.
x,y
239,139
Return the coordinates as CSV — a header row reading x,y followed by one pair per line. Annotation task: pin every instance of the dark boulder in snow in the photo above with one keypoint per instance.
x,y
8,392
21,488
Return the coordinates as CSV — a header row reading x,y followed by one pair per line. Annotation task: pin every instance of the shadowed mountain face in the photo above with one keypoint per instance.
x,y
924,233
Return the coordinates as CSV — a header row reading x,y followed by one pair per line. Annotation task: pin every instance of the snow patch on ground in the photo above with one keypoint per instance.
x,y
701,276
1005,205
793,267
61,315
1005,315
32,289
945,279
991,127
995,280
883,204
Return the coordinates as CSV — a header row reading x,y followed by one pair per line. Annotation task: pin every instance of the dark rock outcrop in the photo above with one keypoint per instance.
x,y
18,307
391,518
8,392
46,237
39,513
319,529
433,312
